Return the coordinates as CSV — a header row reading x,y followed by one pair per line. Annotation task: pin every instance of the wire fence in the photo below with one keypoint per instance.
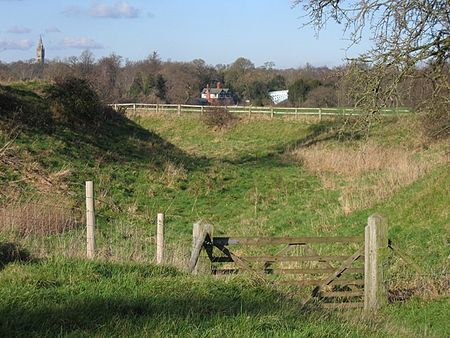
x,y
53,229
50,230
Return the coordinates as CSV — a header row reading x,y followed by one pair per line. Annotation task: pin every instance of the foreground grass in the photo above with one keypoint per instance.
x,y
76,298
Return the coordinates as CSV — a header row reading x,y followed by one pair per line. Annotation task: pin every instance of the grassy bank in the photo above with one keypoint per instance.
x,y
255,177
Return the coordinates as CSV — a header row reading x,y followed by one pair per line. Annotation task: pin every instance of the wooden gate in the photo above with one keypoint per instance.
x,y
333,266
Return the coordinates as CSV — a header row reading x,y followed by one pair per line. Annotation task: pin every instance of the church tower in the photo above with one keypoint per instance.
x,y
40,52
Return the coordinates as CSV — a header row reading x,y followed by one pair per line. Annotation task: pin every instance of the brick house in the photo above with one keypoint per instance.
x,y
218,95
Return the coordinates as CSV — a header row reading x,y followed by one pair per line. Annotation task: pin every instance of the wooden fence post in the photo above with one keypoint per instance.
x,y
160,239
201,110
271,112
90,220
320,114
134,109
200,231
375,250
179,109
196,230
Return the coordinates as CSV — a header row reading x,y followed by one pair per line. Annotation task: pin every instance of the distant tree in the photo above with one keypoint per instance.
x,y
85,66
277,83
299,90
234,75
322,96
257,93
108,69
160,87
137,87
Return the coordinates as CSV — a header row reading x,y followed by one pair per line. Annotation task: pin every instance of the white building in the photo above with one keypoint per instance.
x,y
279,96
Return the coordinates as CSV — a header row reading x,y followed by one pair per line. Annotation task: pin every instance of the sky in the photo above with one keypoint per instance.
x,y
218,32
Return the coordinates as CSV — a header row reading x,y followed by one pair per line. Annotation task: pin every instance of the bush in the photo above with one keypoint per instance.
x,y
218,118
435,119
73,100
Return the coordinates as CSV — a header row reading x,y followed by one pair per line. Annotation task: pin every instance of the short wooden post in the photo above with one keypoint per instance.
x,y
201,110
160,239
296,112
115,106
320,114
157,108
375,250
179,109
271,112
90,220
249,111
134,109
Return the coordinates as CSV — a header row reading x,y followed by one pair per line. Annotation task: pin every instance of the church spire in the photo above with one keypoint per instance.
x,y
40,51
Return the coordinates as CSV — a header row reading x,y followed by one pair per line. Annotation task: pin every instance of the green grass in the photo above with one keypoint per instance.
x,y
240,179
78,298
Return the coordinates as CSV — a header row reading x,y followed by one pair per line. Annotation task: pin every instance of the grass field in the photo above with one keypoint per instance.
x,y
258,177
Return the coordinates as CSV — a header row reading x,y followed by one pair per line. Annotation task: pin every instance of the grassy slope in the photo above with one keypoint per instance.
x,y
238,180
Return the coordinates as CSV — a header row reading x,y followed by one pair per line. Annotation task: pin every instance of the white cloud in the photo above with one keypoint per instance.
x,y
16,44
52,29
118,10
79,43
19,30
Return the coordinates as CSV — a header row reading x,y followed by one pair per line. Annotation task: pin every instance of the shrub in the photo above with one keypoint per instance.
x,y
73,100
218,118
435,119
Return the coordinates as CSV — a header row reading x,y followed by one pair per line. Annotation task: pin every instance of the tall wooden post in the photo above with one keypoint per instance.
x,y
160,239
200,231
375,250
90,220
196,232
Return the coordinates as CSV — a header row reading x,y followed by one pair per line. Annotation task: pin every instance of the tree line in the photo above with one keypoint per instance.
x,y
153,80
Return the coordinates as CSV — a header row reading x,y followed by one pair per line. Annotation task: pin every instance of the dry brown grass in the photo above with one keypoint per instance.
x,y
369,173
173,174
38,218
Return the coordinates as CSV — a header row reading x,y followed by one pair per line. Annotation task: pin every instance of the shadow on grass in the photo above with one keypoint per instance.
x,y
12,252
187,310
319,132
121,140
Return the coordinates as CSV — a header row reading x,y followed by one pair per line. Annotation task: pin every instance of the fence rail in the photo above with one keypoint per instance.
x,y
142,109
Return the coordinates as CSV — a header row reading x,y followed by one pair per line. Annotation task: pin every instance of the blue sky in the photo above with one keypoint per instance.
x,y
216,31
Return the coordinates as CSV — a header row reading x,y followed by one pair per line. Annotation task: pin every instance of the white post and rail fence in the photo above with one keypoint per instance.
x,y
146,109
